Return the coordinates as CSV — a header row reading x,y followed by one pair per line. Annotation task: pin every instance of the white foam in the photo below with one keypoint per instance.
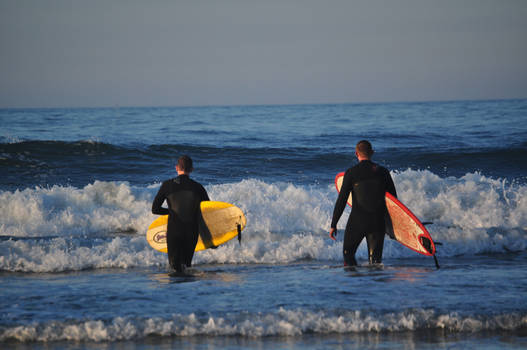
x,y
286,223
7,138
255,325
65,211
472,214
72,254
280,208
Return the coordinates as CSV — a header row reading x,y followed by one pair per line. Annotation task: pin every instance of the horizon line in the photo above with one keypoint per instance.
x,y
271,104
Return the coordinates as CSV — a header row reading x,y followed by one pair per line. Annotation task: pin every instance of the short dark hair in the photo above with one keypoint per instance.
x,y
364,148
185,164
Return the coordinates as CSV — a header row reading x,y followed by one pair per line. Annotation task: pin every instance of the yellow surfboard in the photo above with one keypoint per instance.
x,y
220,223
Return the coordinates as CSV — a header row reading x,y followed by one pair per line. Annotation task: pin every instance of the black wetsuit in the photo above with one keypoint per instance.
x,y
368,183
183,196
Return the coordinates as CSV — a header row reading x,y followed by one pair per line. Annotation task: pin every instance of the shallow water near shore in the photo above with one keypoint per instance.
x,y
406,302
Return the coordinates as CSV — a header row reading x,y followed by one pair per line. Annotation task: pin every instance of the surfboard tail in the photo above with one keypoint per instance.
x,y
428,244
430,247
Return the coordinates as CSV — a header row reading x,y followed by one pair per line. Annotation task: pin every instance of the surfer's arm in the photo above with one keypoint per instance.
x,y
390,187
158,202
204,195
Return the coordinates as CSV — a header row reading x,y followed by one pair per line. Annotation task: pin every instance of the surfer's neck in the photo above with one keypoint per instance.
x,y
362,157
182,172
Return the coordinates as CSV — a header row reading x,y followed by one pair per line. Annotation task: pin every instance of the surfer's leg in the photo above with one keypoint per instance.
x,y
175,240
191,239
375,244
173,251
351,243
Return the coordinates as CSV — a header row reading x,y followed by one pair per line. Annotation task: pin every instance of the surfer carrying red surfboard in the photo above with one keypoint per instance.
x,y
183,196
367,182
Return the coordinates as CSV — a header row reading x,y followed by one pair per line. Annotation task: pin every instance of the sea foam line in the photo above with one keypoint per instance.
x,y
280,323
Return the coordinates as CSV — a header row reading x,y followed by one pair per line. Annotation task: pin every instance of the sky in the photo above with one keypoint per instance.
x,y
105,53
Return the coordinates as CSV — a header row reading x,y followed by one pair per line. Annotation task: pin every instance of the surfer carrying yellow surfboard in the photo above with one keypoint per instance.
x,y
183,197
367,182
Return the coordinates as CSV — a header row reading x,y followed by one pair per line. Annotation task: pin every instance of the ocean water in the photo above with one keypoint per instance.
x,y
76,189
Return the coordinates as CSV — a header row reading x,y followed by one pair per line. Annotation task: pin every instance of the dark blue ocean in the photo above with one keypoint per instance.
x,y
76,188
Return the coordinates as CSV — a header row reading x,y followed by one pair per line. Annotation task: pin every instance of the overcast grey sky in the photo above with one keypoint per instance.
x,y
69,53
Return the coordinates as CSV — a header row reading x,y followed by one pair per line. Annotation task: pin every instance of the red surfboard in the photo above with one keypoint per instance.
x,y
405,226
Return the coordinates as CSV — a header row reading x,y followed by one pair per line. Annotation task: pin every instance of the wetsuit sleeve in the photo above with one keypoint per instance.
x,y
204,194
390,187
158,201
342,199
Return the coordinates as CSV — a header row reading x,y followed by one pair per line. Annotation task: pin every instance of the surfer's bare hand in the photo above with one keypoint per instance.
x,y
333,233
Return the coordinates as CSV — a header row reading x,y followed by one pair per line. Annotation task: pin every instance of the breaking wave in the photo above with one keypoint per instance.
x,y
102,225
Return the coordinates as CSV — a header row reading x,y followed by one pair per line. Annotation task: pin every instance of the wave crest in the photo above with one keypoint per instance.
x,y
281,323
103,223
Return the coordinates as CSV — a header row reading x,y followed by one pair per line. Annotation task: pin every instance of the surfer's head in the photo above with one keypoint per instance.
x,y
184,164
363,150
